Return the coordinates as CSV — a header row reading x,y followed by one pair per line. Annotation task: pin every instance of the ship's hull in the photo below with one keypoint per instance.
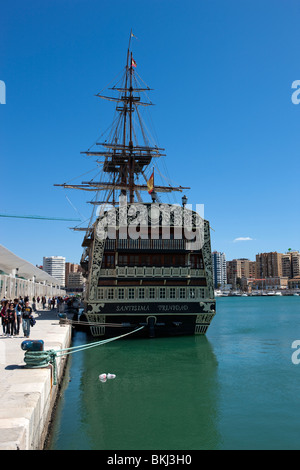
x,y
155,327
158,319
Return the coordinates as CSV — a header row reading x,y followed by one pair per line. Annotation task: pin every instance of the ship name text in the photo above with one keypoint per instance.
x,y
146,308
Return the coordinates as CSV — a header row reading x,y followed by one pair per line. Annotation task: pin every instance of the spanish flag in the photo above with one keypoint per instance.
x,y
133,62
150,183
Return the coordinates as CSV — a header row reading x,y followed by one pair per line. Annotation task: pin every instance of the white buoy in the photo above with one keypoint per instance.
x,y
111,376
104,377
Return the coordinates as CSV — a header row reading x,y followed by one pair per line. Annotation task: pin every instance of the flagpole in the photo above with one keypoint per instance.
x,y
128,48
129,40
131,36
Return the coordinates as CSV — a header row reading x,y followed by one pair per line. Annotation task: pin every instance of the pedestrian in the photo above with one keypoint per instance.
x,y
26,316
44,302
18,309
60,305
49,303
11,319
21,302
4,303
33,304
38,301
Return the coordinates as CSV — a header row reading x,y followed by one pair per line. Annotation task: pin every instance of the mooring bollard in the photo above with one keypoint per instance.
x,y
36,358
33,345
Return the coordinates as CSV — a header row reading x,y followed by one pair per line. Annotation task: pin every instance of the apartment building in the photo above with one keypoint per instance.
x,y
76,282
219,269
71,268
55,266
291,264
268,265
241,268
268,284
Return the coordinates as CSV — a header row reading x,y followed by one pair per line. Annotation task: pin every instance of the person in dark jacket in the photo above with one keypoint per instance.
x,y
11,319
18,309
26,316
4,304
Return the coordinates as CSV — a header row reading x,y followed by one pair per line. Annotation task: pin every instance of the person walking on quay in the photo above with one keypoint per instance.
x,y
33,304
26,316
60,305
18,309
49,303
3,315
44,302
11,319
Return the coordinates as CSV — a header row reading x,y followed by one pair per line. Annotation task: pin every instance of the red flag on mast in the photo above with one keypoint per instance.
x,y
133,62
150,183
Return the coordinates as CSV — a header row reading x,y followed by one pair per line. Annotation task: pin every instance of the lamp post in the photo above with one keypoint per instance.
x,y
184,201
154,196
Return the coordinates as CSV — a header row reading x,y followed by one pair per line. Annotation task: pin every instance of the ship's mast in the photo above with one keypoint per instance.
x,y
124,174
131,159
123,157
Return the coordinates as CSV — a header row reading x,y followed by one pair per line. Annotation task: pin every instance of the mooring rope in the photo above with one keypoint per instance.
x,y
67,321
41,359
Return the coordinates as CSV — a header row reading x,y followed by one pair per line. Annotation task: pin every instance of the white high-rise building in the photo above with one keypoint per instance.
x,y
219,269
55,266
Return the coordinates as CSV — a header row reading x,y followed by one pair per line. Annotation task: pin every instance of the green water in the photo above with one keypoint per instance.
x,y
235,388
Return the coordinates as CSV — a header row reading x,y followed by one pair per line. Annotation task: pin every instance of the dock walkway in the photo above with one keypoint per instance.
x,y
27,396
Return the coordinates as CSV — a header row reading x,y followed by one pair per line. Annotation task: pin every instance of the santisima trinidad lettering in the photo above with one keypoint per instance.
x,y
132,308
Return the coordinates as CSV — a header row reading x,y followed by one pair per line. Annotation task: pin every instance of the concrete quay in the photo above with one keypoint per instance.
x,y
27,396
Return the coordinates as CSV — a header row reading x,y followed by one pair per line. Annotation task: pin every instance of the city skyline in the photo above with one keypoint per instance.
x,y
224,112
269,270
282,270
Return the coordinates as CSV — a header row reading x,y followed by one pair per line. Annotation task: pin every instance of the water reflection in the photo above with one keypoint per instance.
x,y
165,396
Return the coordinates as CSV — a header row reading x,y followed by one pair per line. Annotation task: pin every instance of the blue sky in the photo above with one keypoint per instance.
x,y
221,72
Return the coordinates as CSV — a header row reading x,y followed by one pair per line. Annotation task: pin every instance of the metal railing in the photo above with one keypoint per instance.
x,y
149,244
152,271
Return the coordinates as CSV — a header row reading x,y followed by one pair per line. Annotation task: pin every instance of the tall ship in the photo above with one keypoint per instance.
x,y
147,263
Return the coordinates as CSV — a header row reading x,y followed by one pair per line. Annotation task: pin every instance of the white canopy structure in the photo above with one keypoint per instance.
x,y
9,262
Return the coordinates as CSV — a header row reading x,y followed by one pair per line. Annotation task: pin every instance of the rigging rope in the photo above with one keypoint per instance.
x,y
67,321
41,359
81,216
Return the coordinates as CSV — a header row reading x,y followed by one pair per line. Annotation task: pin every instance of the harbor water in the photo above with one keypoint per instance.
x,y
238,387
